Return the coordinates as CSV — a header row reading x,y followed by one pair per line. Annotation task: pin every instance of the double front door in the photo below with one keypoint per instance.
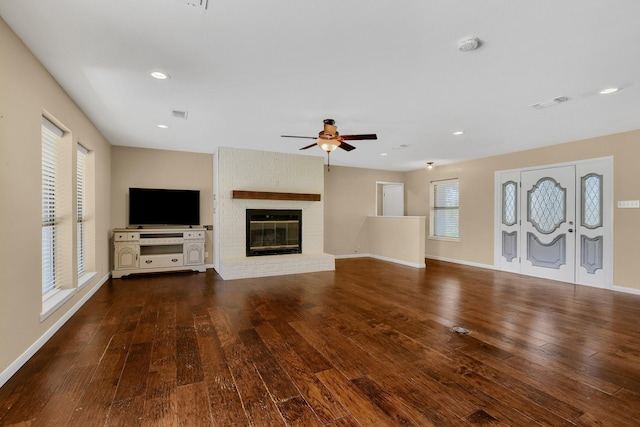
x,y
555,222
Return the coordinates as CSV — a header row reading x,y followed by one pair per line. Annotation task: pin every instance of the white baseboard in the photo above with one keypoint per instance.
x,y
382,258
24,357
457,261
352,256
399,261
626,290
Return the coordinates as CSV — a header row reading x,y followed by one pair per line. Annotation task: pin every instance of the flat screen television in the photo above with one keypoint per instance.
x,y
156,206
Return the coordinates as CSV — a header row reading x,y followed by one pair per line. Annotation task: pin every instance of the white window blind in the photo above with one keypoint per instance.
x,y
81,207
51,136
445,208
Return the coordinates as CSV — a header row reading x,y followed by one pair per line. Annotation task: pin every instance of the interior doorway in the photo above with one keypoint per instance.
x,y
389,198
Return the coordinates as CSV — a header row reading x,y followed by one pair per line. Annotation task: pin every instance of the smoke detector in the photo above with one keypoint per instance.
x,y
467,45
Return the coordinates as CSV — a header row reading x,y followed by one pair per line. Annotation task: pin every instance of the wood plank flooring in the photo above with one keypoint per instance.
x,y
367,345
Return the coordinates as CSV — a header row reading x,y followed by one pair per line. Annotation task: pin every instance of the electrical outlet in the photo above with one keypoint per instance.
x,y
629,204
206,254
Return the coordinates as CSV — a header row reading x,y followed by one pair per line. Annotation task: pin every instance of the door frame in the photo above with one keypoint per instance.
x,y
603,166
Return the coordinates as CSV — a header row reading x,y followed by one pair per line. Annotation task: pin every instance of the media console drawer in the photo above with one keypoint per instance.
x,y
157,261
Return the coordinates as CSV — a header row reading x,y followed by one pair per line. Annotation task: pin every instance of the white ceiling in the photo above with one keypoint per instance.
x,y
250,71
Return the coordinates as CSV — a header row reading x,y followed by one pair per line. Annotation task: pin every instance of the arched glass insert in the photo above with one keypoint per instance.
x,y
509,206
592,201
547,205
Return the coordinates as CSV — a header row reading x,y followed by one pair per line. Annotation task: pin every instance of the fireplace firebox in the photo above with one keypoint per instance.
x,y
274,231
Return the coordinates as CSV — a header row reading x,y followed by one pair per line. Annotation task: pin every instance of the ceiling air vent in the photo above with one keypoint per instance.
x,y
550,102
200,4
179,114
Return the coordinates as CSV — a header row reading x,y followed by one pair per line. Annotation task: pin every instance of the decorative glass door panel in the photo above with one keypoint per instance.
x,y
509,226
548,244
594,247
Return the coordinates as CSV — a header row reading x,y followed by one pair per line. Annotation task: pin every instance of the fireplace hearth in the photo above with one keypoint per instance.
x,y
274,231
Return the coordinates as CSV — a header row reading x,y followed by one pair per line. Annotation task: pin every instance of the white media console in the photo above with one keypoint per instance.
x,y
152,250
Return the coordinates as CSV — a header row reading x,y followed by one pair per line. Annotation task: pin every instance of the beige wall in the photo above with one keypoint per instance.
x,y
350,196
397,239
477,199
26,92
146,168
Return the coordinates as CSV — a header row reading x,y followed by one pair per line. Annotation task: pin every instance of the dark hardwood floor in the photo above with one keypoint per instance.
x,y
369,344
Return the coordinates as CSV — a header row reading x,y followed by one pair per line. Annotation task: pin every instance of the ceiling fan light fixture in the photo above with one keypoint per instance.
x,y
429,165
328,145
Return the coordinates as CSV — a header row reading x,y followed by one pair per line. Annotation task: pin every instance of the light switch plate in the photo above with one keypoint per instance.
x,y
627,204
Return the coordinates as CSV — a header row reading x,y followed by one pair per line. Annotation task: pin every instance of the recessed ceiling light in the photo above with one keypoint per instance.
x,y
459,132
609,90
159,75
383,154
163,126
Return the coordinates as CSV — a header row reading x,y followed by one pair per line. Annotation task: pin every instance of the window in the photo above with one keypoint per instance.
x,y
81,207
68,232
51,136
444,209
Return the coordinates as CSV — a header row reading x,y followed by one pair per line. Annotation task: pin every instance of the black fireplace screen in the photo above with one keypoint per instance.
x,y
274,232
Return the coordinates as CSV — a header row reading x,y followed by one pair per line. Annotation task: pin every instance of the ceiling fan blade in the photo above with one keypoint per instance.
x,y
294,136
359,137
309,146
345,146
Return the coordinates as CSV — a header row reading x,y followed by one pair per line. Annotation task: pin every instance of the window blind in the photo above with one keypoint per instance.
x,y
81,208
51,136
445,208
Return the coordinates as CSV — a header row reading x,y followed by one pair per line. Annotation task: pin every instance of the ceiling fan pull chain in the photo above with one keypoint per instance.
x,y
328,161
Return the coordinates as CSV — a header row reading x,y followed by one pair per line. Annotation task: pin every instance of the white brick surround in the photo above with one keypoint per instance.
x,y
240,169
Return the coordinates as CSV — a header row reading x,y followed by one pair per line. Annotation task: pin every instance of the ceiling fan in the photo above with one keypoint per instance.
x,y
329,139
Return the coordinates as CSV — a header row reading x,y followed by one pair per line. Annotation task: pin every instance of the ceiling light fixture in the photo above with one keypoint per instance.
x,y
459,132
160,75
163,126
328,145
609,90
383,154
429,165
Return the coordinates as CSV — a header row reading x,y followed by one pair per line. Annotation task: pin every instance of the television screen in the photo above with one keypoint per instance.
x,y
154,206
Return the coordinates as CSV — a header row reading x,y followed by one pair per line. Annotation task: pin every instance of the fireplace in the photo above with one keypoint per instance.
x,y
274,231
